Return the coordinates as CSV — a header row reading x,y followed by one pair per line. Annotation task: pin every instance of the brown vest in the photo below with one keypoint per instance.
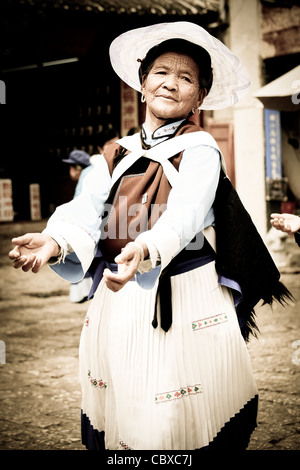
x,y
137,199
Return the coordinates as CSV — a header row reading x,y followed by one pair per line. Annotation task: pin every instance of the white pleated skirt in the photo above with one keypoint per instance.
x,y
152,390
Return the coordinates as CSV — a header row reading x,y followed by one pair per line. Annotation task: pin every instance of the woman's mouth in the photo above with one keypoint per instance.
x,y
167,97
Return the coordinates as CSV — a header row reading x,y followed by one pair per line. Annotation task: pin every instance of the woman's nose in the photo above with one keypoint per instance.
x,y
171,82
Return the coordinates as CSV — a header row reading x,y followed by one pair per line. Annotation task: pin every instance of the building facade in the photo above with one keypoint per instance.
x,y
61,92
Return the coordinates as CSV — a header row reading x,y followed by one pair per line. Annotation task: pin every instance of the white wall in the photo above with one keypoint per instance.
x,y
244,41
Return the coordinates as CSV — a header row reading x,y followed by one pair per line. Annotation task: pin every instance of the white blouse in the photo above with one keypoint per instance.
x,y
76,225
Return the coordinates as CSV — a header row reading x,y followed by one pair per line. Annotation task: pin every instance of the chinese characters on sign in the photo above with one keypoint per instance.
x,y
6,201
35,202
273,144
2,92
276,186
129,109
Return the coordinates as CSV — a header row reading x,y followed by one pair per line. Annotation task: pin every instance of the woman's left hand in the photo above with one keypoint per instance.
x,y
128,261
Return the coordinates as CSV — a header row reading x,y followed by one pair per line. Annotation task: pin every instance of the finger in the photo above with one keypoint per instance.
x,y
22,240
124,274
14,254
19,262
114,281
114,287
275,223
122,268
128,254
37,265
111,277
24,262
124,257
31,259
284,225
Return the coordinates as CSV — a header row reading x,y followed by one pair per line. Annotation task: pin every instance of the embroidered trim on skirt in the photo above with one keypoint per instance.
x,y
151,390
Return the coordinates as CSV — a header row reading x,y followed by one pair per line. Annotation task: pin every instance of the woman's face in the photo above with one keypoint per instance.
x,y
171,89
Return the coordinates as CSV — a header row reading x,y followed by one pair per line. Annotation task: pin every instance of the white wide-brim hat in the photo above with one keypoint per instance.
x,y
230,78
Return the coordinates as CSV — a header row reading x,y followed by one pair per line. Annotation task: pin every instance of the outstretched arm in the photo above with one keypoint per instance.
x,y
32,251
73,228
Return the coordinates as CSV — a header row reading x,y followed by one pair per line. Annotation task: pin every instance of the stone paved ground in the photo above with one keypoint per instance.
x,y
39,388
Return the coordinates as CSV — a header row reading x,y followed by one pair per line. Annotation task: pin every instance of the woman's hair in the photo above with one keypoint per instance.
x,y
197,53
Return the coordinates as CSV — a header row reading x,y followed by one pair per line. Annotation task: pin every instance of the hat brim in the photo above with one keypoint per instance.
x,y
230,78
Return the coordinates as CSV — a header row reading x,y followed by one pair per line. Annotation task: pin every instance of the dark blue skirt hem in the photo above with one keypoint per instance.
x,y
234,436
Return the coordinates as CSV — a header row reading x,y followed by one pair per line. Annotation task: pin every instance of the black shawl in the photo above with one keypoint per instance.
x,y
242,255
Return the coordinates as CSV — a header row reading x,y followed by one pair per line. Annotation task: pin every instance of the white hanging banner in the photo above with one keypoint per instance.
x,y
35,202
6,201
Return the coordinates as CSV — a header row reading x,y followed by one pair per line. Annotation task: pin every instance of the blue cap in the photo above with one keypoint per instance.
x,y
78,157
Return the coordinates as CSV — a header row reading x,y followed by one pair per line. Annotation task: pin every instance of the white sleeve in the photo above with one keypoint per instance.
x,y
76,224
189,207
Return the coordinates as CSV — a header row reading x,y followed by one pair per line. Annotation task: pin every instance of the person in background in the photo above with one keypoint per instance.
x,y
106,137
134,130
288,223
79,166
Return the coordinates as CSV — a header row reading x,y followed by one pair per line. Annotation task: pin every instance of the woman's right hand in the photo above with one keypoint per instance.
x,y
32,251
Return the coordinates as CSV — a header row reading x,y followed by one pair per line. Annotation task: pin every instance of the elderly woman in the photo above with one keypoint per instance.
x,y
163,362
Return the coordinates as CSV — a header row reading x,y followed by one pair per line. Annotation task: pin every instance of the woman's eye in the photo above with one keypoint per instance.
x,y
187,79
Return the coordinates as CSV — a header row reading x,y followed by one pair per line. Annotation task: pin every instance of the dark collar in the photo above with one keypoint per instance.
x,y
167,130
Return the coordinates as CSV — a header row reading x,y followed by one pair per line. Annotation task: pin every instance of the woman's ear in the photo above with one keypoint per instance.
x,y
202,95
143,89
143,83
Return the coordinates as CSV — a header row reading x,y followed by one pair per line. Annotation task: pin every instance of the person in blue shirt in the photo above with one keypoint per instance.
x,y
79,166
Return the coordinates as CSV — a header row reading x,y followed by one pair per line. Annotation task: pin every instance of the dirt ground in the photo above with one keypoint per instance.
x,y
39,388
